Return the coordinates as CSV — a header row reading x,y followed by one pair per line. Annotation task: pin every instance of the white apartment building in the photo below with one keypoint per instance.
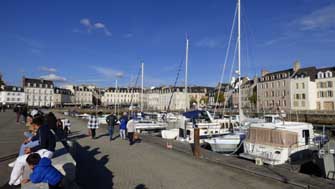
x,y
121,96
12,95
82,95
62,96
160,98
325,89
39,92
303,89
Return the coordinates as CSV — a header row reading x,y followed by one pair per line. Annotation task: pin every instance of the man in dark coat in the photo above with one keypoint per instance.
x,y
111,122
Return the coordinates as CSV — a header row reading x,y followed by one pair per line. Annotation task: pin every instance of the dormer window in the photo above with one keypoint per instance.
x,y
28,84
40,85
328,74
34,84
320,75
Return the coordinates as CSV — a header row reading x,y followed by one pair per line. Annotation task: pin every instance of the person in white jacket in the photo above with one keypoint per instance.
x,y
131,130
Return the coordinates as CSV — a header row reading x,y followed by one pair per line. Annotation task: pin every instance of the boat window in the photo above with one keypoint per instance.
x,y
268,119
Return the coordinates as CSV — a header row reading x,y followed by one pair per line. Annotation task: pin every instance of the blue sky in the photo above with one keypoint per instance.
x,y
94,41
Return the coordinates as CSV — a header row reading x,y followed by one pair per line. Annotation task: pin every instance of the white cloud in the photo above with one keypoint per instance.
x,y
209,43
86,22
53,77
108,72
97,26
320,19
47,69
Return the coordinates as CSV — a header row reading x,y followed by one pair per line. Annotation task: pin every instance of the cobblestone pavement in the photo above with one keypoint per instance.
x,y
104,164
10,140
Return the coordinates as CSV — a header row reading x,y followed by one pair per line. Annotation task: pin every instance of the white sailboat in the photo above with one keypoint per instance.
x,y
232,141
143,121
191,119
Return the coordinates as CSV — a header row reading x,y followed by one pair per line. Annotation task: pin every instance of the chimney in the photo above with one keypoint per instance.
x,y
296,66
264,72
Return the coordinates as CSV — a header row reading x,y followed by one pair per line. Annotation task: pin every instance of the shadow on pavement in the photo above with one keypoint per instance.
x,y
140,186
91,172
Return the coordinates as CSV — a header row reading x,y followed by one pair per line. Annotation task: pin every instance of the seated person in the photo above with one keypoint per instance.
x,y
43,171
31,131
19,165
46,138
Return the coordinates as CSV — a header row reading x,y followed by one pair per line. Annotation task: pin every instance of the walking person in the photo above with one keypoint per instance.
x,y
93,124
17,110
131,130
123,126
111,122
24,113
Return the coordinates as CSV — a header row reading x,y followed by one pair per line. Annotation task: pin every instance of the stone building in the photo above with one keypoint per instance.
x,y
121,96
82,95
273,89
173,98
62,97
325,89
39,92
303,89
12,95
248,93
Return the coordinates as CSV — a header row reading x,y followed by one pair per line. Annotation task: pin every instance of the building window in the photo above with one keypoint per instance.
x,y
320,75
297,85
303,103
303,96
329,84
303,85
295,103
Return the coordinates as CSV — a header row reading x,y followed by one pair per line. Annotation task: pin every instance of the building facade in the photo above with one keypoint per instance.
x,y
39,92
121,96
173,98
12,95
325,89
83,96
303,89
62,97
249,93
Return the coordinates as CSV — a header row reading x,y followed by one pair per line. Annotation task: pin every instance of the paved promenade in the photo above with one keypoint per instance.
x,y
10,140
101,164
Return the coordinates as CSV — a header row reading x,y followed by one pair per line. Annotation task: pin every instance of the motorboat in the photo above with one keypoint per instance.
x,y
195,119
274,140
228,143
148,122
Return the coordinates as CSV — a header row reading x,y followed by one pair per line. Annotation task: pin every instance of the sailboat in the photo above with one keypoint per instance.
x,y
230,142
190,119
145,121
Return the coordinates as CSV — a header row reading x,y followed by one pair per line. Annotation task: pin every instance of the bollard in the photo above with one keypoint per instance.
x,y
196,151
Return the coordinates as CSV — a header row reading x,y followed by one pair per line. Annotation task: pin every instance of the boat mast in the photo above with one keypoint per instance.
x,y
115,104
186,75
142,86
239,54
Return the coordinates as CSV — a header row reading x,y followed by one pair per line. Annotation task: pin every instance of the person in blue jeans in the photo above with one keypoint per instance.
x,y
123,126
111,122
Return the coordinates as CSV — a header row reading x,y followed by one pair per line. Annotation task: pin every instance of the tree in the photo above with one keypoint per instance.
x,y
192,101
204,100
221,98
253,98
